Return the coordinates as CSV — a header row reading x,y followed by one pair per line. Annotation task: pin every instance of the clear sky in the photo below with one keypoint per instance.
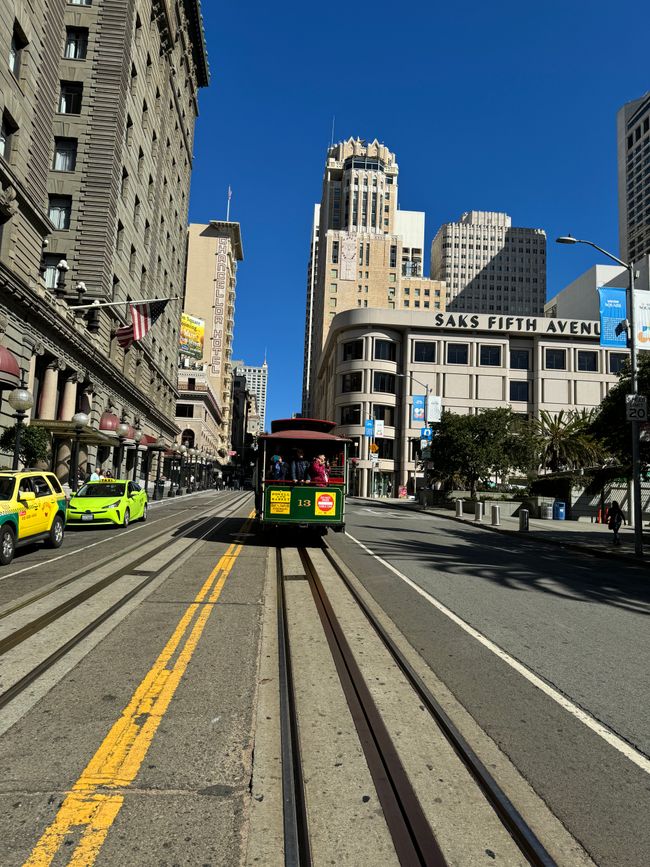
x,y
504,107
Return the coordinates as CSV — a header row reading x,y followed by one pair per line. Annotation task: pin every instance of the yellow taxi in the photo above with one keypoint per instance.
x,y
32,509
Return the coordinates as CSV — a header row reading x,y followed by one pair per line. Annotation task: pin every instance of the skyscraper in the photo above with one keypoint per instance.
x,y
633,139
367,252
257,377
490,266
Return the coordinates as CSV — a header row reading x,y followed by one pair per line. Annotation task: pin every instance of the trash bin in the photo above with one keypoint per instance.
x,y
559,510
524,524
547,511
160,490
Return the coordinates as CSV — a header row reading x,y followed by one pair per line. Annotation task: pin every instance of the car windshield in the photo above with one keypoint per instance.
x,y
101,489
7,484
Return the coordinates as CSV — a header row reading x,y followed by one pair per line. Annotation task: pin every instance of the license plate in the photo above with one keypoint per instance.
x,y
87,517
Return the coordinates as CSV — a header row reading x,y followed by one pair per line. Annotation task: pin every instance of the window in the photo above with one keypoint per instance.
x,y
351,414
76,43
185,410
556,359
588,360
424,351
353,350
80,2
18,42
60,208
54,482
70,97
616,361
383,382
519,359
393,256
65,154
40,486
457,353
385,448
351,382
519,391
50,274
385,350
334,272
7,130
335,252
384,413
490,356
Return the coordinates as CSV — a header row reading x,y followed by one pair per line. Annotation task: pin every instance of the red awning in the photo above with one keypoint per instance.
x,y
108,421
9,369
146,440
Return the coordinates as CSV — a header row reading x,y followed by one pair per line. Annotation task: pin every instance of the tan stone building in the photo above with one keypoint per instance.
x,y
98,104
374,361
633,141
213,251
365,253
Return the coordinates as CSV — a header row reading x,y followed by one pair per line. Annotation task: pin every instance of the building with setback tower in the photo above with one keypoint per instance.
x,y
633,137
490,266
364,251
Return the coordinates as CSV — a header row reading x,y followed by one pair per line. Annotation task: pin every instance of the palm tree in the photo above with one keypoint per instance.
x,y
564,440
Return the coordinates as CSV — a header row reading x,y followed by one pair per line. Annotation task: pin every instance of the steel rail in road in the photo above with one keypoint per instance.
x,y
294,812
519,830
413,838
35,626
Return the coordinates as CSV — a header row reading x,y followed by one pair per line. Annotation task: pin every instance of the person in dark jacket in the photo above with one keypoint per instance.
x,y
614,520
299,467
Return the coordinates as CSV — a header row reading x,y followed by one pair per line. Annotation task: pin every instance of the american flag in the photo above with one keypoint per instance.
x,y
143,316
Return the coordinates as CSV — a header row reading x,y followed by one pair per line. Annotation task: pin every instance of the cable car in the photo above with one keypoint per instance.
x,y
317,499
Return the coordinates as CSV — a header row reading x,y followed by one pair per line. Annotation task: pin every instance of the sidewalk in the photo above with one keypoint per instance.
x,y
594,539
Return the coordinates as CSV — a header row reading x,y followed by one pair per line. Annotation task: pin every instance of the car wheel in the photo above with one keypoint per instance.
x,y
56,533
144,512
7,545
127,518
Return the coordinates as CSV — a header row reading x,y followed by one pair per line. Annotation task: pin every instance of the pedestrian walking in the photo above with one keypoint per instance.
x,y
615,519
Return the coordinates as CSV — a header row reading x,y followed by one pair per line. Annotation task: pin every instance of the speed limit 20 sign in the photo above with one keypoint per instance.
x,y
636,407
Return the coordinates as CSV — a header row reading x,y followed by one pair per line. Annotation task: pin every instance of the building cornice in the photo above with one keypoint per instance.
x,y
233,231
31,208
197,33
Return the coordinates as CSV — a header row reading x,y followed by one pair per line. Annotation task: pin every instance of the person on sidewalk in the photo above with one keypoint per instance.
x,y
615,519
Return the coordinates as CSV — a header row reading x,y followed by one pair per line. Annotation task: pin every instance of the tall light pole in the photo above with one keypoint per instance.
x,y
80,420
636,458
137,436
122,431
20,400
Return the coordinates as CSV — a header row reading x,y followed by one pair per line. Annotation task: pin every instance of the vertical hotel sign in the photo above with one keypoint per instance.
x,y
219,311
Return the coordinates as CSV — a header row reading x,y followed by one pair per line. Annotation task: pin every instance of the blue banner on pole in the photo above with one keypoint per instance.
x,y
369,428
417,410
613,311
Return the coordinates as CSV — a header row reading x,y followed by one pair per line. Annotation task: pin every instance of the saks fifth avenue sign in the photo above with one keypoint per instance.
x,y
517,324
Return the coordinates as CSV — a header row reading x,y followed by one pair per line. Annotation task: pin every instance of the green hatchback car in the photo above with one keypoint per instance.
x,y
108,502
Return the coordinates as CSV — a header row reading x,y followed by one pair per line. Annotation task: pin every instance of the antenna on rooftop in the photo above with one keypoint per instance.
x,y
228,205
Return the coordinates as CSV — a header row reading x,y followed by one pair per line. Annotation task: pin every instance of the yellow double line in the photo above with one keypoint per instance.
x,y
89,808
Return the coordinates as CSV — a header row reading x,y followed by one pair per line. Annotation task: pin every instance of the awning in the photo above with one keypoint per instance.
x,y
66,430
9,369
108,421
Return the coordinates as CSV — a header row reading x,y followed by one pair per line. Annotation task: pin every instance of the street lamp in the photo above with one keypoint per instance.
x,y
636,459
20,400
79,420
137,436
193,454
159,446
122,431
59,289
183,451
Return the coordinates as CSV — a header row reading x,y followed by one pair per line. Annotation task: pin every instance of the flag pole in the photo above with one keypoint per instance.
x,y
95,304
228,205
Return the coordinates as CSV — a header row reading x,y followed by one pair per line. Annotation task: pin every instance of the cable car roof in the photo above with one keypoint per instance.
x,y
302,424
303,436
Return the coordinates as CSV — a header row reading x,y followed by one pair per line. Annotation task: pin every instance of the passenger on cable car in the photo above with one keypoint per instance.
x,y
318,471
278,468
299,467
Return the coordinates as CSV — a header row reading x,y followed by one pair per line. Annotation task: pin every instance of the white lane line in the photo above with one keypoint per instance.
x,y
88,547
597,727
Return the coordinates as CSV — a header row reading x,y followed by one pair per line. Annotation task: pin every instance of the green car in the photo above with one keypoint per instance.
x,y
108,502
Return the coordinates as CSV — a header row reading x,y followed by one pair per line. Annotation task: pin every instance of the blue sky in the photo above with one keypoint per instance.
x,y
508,107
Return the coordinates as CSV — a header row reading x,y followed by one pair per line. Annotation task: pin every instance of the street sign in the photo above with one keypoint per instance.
x,y
434,408
369,428
426,433
636,407
374,458
373,448
425,454
379,427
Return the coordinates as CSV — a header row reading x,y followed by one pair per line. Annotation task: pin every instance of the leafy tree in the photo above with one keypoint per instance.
x,y
565,440
34,443
610,425
473,447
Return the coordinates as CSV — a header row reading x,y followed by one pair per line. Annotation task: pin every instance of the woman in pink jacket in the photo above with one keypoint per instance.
x,y
318,471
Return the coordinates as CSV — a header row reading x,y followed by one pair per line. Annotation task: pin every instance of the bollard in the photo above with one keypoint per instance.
x,y
523,520
459,508
478,510
496,514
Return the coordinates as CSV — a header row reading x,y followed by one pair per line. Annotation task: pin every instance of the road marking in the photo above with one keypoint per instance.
x,y
90,807
595,725
92,544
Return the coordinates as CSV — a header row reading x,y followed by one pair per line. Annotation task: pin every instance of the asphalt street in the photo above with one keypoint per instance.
x,y
571,620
